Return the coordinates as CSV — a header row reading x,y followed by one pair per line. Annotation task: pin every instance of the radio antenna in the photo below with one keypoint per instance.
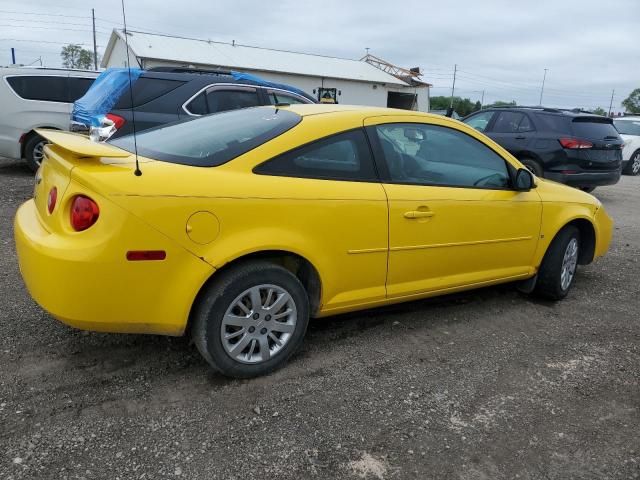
x,y
137,171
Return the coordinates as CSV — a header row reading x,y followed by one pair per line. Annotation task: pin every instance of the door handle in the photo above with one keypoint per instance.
x,y
521,137
418,214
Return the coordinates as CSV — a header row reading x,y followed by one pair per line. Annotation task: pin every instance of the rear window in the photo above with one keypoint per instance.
x,y
41,87
628,127
211,140
146,89
593,128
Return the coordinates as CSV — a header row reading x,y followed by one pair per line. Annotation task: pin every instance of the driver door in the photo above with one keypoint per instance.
x,y
453,219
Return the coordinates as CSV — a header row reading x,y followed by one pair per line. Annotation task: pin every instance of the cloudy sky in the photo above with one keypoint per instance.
x,y
501,47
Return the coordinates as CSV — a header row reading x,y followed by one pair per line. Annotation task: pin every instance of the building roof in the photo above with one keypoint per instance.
x,y
244,57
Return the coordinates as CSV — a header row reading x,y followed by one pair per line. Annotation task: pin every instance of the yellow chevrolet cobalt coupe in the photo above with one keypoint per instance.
x,y
244,224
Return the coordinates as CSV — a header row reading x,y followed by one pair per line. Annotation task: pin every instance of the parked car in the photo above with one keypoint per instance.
x,y
629,128
36,98
165,94
578,149
243,224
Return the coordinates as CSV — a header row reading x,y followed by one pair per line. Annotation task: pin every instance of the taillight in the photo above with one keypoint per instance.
x,y
575,143
117,120
52,199
84,213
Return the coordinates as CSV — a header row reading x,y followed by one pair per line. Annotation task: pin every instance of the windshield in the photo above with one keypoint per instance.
x,y
628,127
213,139
594,128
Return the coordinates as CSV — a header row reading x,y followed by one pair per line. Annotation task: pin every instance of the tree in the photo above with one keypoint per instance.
x,y
74,56
632,102
500,103
600,111
463,106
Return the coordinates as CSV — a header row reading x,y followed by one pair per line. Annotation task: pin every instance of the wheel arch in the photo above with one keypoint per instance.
x,y
32,133
587,238
297,264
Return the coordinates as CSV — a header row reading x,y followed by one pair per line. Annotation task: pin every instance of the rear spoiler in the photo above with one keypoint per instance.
x,y
80,145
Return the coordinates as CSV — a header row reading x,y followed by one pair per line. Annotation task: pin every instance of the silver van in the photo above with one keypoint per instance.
x,y
33,98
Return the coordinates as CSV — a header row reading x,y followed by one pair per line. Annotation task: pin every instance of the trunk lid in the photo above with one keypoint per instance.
x,y
65,152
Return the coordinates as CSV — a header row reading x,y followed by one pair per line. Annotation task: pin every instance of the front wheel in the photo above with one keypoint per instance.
x,y
558,269
251,320
633,167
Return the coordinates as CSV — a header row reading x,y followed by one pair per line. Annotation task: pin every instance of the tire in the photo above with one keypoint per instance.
x,y
633,166
564,251
533,166
222,331
587,189
33,151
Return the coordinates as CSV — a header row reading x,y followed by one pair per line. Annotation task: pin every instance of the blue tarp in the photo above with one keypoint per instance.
x,y
261,81
103,95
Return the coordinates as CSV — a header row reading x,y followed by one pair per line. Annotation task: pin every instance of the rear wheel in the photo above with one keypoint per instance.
x,y
251,320
533,166
633,167
587,189
33,151
558,268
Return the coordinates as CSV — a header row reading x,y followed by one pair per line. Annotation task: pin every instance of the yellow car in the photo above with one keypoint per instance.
x,y
244,224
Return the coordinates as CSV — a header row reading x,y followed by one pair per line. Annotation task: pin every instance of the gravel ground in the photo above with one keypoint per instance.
x,y
483,385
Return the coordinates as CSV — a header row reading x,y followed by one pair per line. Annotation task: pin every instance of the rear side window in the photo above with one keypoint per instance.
x,y
198,106
78,87
146,89
593,128
41,87
345,156
221,100
553,123
211,140
508,122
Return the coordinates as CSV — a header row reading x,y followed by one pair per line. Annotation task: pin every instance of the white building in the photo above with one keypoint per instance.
x,y
355,82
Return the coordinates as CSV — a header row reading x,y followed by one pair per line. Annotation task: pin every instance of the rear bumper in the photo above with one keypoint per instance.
x,y
585,179
91,285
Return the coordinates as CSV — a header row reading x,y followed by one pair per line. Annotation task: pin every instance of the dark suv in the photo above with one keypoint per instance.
x,y
576,148
163,95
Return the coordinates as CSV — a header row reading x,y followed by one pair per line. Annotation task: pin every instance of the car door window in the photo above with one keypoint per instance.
x,y
479,121
525,125
416,153
507,122
221,100
345,156
277,97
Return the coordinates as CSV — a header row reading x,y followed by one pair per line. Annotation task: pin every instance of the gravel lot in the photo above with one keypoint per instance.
x,y
484,385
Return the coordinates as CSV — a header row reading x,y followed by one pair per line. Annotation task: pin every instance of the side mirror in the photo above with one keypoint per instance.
x,y
524,180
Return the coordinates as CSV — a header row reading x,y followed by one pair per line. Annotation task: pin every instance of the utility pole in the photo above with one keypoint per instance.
x,y
482,100
611,102
453,88
542,89
95,49
13,56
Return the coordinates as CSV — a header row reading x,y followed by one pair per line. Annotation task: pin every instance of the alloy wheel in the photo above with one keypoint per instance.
x,y
635,164
258,324
38,152
569,264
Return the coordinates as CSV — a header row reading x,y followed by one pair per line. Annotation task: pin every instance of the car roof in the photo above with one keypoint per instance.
x,y
46,71
308,109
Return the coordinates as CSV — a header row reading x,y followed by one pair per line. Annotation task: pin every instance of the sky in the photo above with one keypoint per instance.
x,y
589,47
